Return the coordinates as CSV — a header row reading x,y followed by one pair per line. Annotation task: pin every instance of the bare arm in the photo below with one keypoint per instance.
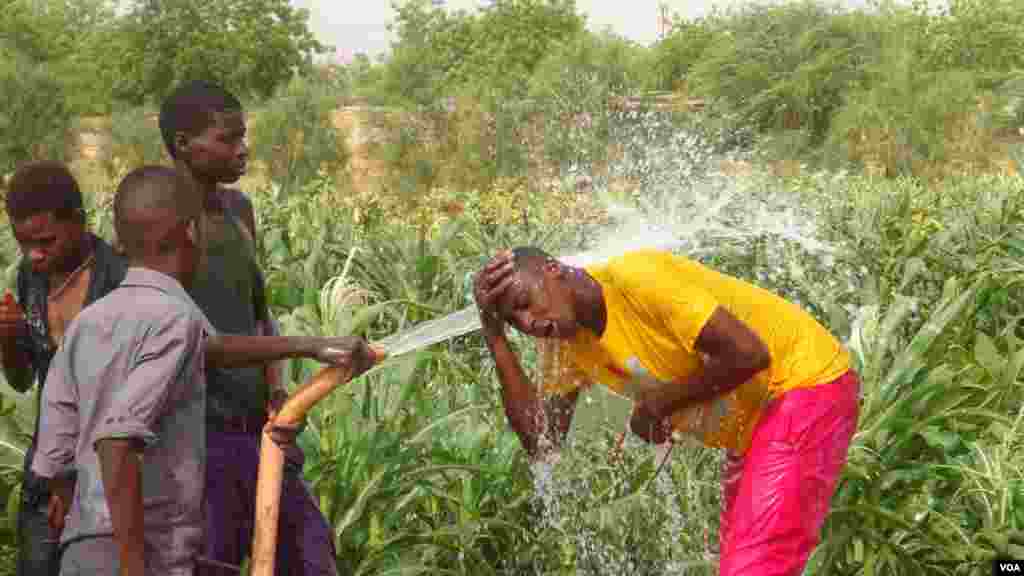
x,y
17,364
274,371
233,351
541,425
62,490
120,464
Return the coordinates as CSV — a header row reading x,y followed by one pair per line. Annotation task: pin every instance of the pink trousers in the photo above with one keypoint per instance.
x,y
777,495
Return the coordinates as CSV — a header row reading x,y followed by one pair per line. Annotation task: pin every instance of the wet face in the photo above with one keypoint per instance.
x,y
219,154
49,242
540,304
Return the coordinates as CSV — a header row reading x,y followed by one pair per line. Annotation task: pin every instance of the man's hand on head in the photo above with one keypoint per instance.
x,y
490,284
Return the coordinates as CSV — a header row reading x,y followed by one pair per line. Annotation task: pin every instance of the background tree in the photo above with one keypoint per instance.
x,y
250,46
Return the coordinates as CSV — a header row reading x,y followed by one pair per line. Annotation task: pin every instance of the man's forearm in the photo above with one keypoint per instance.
x,y
717,378
274,371
524,409
231,351
122,482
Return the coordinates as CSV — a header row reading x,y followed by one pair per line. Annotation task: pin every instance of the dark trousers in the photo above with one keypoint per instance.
x,y
37,555
305,544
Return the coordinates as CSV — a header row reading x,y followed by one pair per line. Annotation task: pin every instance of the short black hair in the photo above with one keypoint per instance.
x,y
190,109
523,256
147,188
42,187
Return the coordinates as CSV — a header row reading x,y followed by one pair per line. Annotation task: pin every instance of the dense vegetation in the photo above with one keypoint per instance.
x,y
891,129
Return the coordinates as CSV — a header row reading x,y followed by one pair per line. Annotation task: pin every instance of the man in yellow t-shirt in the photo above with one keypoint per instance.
x,y
699,353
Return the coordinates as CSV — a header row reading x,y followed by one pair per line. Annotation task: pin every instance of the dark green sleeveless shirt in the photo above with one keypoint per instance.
x,y
228,287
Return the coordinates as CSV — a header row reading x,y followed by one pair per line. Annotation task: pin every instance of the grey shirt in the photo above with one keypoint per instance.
x,y
132,366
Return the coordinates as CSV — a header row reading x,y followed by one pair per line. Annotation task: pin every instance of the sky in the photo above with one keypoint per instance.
x,y
354,26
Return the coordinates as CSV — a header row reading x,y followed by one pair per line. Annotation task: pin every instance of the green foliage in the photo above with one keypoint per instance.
x,y
674,57
912,120
134,140
572,89
785,67
251,47
983,36
35,119
66,36
440,52
51,31
294,134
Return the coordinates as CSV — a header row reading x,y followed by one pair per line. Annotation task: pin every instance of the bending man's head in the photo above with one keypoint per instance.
x,y
540,299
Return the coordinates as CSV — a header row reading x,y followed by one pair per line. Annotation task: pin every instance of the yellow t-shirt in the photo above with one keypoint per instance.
x,y
657,304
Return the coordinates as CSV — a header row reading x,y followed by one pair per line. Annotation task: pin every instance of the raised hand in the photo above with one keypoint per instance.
x,y
12,318
488,287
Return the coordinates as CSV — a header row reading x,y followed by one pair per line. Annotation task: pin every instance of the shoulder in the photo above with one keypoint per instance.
x,y
645,269
236,201
238,206
139,306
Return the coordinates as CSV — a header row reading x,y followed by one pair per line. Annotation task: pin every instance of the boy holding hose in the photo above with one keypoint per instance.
x,y
204,130
699,353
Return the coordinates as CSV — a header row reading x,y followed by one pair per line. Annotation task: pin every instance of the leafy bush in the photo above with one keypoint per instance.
x,y
441,53
909,121
574,88
134,140
786,67
35,119
294,135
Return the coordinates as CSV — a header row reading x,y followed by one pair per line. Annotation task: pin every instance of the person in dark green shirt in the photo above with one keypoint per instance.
x,y
204,130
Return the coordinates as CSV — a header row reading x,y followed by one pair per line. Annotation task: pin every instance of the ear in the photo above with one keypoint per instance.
x,y
553,267
193,232
182,144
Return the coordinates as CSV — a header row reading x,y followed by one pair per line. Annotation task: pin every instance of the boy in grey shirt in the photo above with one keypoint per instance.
x,y
128,385
124,402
